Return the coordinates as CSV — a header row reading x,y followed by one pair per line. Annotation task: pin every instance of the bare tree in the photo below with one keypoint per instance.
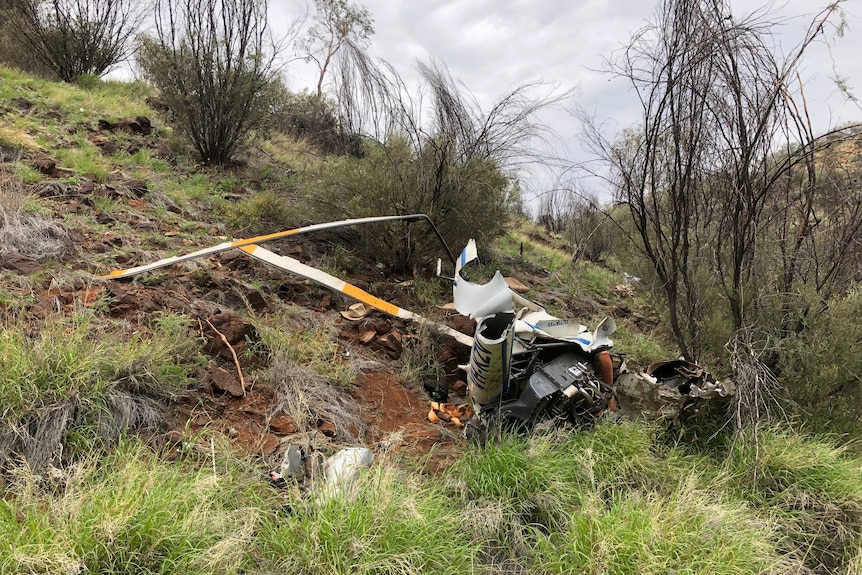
x,y
75,37
212,61
437,153
334,24
700,173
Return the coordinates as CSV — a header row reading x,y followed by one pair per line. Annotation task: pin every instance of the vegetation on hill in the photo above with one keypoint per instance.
x,y
139,419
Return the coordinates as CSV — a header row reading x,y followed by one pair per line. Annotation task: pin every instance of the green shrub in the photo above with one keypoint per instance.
x,y
821,367
315,119
261,213
464,200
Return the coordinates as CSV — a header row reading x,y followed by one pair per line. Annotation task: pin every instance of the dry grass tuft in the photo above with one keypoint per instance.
x,y
24,234
14,143
38,437
308,398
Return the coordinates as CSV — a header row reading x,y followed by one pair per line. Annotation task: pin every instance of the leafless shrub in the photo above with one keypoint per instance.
x,y
307,398
700,173
75,37
757,400
437,152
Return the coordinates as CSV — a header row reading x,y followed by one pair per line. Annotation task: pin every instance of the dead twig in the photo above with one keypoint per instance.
x,y
233,353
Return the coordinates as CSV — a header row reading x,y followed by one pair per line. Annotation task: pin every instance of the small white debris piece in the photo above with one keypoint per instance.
x,y
341,469
292,463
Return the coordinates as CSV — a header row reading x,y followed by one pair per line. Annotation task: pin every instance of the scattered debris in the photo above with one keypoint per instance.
x,y
292,464
355,312
525,366
341,469
668,390
326,477
457,415
624,290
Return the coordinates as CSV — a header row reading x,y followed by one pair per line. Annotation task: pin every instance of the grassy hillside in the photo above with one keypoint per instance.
x,y
139,418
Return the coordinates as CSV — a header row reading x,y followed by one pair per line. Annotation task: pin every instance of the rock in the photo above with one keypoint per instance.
x,y
158,104
104,218
283,424
20,264
391,343
141,125
268,444
328,429
44,165
256,300
86,186
137,188
128,299
234,328
460,388
112,239
223,380
22,104
463,324
104,143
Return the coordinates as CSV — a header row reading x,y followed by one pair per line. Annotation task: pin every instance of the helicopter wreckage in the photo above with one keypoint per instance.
x,y
526,367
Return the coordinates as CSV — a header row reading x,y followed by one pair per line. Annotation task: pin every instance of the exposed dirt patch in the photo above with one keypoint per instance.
x,y
397,419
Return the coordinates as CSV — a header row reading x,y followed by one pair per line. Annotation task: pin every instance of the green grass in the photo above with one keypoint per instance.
x,y
84,159
618,500
25,173
82,359
687,531
130,513
308,343
537,254
639,348
622,500
112,100
389,523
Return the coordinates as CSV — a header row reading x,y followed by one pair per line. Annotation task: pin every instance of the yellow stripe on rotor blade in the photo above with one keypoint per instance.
x,y
297,267
376,302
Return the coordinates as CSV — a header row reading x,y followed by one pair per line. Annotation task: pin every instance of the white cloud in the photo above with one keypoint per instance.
x,y
492,46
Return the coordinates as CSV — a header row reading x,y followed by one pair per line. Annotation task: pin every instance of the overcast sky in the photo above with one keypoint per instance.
x,y
492,46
